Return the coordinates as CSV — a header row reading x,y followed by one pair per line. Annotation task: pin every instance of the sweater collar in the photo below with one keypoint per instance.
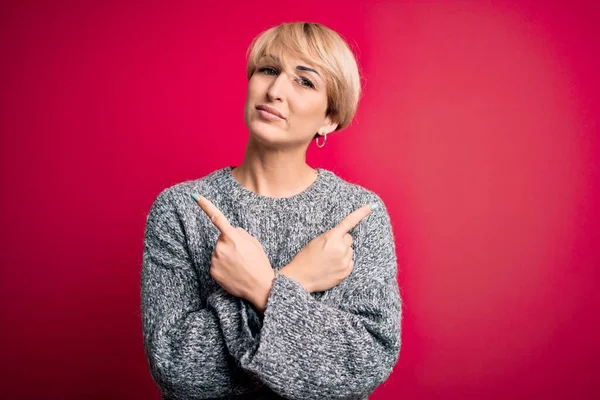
x,y
322,185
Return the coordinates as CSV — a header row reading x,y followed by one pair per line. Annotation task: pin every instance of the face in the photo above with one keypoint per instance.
x,y
296,90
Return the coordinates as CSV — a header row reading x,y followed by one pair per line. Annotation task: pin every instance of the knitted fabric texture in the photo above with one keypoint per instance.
x,y
203,343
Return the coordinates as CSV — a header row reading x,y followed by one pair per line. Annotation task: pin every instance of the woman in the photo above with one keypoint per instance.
x,y
276,280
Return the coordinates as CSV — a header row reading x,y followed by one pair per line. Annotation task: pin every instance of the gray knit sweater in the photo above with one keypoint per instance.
x,y
203,343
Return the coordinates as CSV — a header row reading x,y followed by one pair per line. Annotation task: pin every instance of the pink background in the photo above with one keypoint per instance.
x,y
479,129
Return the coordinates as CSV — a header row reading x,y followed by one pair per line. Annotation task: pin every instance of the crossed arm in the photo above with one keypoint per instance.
x,y
183,342
341,346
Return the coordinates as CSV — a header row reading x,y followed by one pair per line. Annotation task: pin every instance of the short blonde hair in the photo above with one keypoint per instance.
x,y
327,50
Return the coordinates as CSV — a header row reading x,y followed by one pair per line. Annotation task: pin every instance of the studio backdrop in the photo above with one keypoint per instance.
x,y
478,127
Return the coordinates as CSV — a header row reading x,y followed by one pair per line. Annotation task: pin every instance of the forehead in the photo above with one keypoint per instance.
x,y
284,56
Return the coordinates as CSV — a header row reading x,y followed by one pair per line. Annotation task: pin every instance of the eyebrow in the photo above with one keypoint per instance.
x,y
303,68
299,67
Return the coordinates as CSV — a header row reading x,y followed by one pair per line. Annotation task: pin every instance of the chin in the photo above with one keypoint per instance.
x,y
264,129
267,135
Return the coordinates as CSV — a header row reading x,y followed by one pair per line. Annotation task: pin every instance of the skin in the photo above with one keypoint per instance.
x,y
275,165
240,265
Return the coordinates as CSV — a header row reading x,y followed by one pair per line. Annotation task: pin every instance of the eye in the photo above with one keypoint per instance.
x,y
306,82
265,69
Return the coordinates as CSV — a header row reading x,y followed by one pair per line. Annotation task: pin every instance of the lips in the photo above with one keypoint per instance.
x,y
270,110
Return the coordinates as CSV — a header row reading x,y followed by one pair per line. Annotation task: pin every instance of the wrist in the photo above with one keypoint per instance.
x,y
291,271
260,294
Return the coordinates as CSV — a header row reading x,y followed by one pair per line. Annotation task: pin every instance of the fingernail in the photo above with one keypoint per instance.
x,y
195,197
374,206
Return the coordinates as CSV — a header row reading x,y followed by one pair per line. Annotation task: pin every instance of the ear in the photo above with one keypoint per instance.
x,y
329,126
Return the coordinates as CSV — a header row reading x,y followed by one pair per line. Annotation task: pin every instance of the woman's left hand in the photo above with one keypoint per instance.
x,y
239,263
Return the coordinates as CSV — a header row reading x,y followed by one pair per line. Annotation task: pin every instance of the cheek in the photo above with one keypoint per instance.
x,y
251,98
252,88
308,114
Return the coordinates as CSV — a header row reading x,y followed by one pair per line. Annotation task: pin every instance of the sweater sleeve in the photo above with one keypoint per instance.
x,y
183,341
343,345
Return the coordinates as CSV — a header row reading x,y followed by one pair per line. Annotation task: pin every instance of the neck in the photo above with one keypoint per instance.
x,y
274,172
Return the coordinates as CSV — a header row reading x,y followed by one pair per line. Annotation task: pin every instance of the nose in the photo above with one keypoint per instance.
x,y
277,87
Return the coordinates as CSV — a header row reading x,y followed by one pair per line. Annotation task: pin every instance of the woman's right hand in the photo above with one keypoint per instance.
x,y
327,259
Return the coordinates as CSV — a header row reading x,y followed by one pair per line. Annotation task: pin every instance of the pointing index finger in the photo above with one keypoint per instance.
x,y
354,218
214,214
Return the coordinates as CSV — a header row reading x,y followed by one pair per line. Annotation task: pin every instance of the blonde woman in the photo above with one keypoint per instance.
x,y
273,279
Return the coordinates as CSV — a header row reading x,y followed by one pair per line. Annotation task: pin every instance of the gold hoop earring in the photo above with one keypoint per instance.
x,y
324,140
